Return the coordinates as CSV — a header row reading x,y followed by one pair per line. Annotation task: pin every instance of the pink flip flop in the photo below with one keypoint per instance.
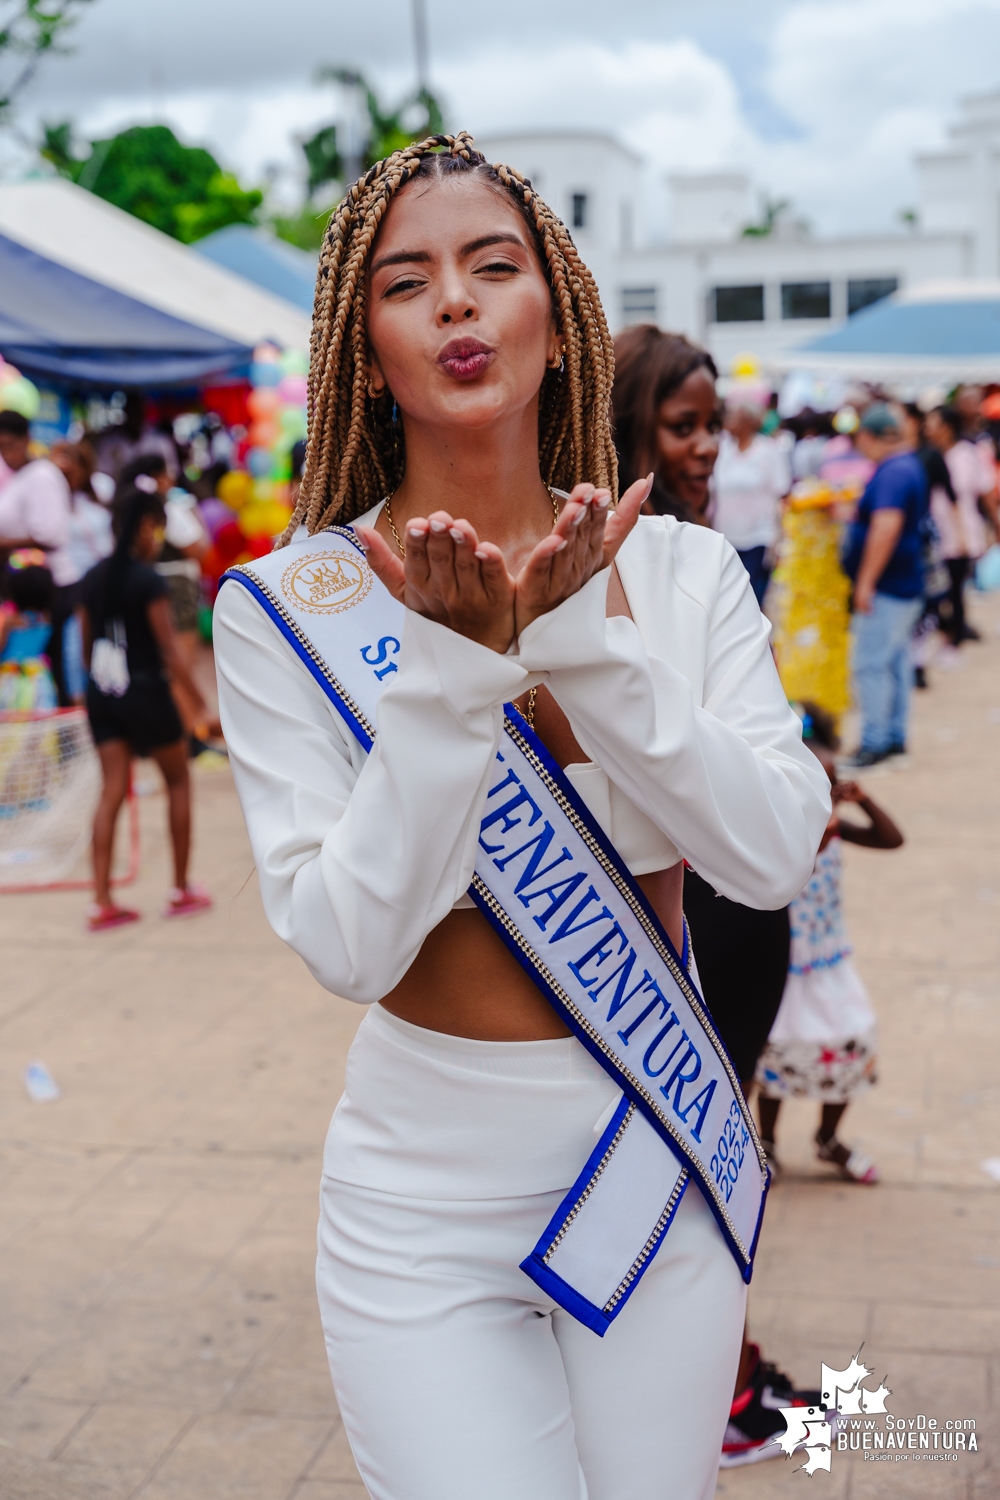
x,y
187,903
103,918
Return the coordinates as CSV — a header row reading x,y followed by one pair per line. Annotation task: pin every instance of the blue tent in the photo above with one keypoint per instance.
x,y
944,330
60,327
264,260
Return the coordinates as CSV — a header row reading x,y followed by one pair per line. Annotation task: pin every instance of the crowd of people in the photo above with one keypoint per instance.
x,y
927,511
101,594
100,588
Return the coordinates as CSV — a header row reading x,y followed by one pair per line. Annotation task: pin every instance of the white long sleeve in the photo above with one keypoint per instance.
x,y
725,775
359,857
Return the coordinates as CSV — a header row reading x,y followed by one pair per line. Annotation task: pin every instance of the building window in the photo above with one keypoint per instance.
x,y
579,210
872,289
639,304
805,299
737,304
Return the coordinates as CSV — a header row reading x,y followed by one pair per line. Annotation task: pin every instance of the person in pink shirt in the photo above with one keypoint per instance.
x,y
957,513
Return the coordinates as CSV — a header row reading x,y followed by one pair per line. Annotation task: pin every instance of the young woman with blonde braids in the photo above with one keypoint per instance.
x,y
459,393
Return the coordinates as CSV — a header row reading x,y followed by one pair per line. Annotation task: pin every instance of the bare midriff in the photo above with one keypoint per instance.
x,y
464,981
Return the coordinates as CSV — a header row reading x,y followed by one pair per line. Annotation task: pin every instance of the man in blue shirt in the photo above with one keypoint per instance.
x,y
884,557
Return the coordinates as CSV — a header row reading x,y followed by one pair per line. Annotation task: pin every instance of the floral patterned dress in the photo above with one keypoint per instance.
x,y
823,1041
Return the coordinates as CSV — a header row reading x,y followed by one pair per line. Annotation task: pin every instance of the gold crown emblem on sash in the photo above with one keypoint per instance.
x,y
326,582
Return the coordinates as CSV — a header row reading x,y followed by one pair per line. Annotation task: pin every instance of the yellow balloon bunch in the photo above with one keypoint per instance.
x,y
812,630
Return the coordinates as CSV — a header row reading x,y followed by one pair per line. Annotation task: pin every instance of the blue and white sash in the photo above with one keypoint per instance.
x,y
559,896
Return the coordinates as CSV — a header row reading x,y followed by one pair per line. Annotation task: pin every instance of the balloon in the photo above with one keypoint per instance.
x,y
259,462
846,420
267,353
263,402
293,390
263,374
228,541
745,367
234,488
20,395
260,546
263,518
294,362
215,513
293,423
262,489
264,434
213,564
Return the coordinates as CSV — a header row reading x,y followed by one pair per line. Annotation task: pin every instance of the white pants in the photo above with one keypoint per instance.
x,y
457,1379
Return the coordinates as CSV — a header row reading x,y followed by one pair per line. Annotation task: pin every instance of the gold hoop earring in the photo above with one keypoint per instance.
x,y
372,394
558,361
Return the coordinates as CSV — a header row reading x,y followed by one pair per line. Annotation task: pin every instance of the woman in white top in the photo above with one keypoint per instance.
x,y
751,479
461,366
961,526
88,541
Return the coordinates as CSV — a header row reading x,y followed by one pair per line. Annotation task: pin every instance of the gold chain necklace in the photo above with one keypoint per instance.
x,y
399,541
527,714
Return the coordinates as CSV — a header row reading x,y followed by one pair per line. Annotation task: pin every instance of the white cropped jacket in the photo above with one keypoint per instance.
x,y
695,752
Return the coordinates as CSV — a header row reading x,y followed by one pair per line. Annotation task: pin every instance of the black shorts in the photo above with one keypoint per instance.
x,y
145,716
742,959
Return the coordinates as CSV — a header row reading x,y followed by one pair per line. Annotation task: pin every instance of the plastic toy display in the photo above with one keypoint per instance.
x,y
252,505
811,597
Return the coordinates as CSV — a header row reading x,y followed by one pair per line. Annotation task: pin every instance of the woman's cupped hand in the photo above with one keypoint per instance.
x,y
449,575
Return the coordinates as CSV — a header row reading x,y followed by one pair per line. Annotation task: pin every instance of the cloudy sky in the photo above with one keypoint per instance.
x,y
822,101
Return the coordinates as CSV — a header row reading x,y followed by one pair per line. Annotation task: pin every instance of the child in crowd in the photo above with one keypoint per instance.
x,y
129,645
822,1043
26,589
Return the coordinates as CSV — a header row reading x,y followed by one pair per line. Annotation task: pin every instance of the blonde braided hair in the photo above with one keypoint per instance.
x,y
355,452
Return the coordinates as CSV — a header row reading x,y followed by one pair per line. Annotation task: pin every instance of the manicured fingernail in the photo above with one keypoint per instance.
x,y
601,502
438,526
361,542
575,520
455,534
481,554
560,544
417,529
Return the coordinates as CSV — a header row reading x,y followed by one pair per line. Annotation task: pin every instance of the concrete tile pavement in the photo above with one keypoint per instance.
x,y
159,1335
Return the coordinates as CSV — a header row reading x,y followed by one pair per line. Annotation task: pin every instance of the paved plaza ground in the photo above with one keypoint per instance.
x,y
158,1328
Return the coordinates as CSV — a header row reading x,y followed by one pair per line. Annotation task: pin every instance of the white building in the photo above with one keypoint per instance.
x,y
762,294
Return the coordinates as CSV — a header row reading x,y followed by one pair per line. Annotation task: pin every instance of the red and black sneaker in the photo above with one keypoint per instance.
x,y
755,1418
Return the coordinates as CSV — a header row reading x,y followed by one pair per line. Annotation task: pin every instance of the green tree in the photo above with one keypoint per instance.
x,y
29,31
148,172
386,131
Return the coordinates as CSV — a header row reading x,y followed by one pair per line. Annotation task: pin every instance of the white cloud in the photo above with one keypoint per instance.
x,y
870,82
669,100
863,83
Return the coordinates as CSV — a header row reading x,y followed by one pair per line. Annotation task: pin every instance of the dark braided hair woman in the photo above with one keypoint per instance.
x,y
478,710
129,647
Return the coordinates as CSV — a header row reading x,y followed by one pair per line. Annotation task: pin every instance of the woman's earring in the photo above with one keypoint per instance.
x,y
394,411
373,395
